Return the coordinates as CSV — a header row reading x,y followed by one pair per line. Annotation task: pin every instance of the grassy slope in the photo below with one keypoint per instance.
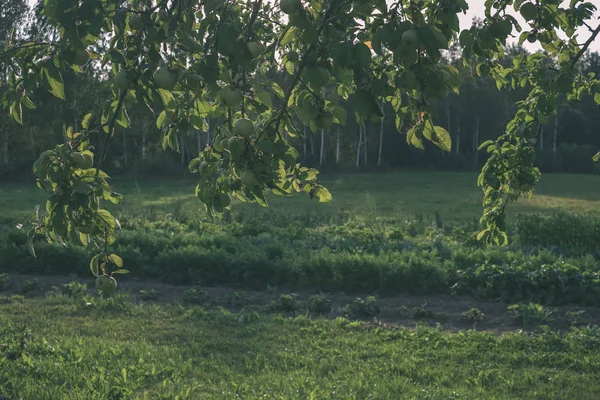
x,y
454,195
159,352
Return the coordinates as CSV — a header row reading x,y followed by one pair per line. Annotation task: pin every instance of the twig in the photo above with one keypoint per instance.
x,y
111,129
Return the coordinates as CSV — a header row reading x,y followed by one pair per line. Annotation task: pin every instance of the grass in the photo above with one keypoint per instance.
x,y
57,348
454,196
385,234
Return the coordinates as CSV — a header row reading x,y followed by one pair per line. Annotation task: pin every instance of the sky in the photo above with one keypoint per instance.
x,y
476,9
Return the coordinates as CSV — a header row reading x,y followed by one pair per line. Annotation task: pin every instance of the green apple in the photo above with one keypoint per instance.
x,y
290,6
256,49
236,146
165,79
124,79
232,97
106,284
249,178
82,160
243,127
81,57
410,39
136,22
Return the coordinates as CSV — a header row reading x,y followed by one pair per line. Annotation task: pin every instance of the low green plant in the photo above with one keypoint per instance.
x,y
531,315
420,312
361,308
319,303
35,286
4,278
195,296
473,315
577,318
239,299
285,303
150,294
75,290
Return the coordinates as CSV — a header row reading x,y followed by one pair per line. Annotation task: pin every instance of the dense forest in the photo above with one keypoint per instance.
x,y
474,114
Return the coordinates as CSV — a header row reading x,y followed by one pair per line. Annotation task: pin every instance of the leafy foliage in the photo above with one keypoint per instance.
x,y
193,60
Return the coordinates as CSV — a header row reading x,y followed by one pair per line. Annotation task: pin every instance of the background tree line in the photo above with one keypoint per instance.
x,y
476,113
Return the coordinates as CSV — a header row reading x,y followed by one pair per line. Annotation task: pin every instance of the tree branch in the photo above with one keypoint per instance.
x,y
111,129
585,46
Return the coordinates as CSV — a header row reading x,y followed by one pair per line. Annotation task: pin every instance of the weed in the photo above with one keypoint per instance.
x,y
577,318
422,313
75,290
239,299
531,315
4,278
33,287
319,303
195,296
151,294
285,303
473,315
361,308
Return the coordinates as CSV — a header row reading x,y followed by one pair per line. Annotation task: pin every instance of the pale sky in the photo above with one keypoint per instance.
x,y
476,9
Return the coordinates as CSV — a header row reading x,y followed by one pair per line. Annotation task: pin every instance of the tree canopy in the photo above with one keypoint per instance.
x,y
191,61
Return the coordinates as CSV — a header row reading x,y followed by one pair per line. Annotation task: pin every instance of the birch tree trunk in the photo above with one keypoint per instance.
x,y
542,139
322,152
199,141
380,152
458,131
555,133
125,159
305,141
144,127
337,147
358,147
365,144
476,139
182,150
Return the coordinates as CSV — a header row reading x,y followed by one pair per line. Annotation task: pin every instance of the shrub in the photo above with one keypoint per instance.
x,y
361,308
195,296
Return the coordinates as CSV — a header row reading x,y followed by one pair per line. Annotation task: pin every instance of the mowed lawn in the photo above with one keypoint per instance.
x,y
56,348
454,196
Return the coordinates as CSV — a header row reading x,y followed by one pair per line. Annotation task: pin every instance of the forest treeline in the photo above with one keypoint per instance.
x,y
478,112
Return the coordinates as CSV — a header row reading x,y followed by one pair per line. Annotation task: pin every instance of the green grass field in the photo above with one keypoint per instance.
x,y
454,195
405,238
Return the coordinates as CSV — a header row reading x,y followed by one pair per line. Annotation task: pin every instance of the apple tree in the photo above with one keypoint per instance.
x,y
201,58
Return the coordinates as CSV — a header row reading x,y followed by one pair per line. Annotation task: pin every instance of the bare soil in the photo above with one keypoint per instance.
x,y
403,310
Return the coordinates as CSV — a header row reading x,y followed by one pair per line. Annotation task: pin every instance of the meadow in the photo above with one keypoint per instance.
x,y
383,293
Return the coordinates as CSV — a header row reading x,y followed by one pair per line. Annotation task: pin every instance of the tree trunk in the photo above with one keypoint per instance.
x,y
358,147
208,132
144,127
182,150
312,146
365,144
305,141
125,160
322,152
476,139
5,147
458,132
542,139
337,147
555,133
380,152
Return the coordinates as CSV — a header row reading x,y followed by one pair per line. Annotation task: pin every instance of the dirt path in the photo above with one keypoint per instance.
x,y
445,310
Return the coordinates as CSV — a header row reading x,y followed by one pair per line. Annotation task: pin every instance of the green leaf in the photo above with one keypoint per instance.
x,y
86,121
106,217
413,137
168,100
438,136
16,111
121,271
596,158
323,195
115,259
289,35
94,267
597,98
55,80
